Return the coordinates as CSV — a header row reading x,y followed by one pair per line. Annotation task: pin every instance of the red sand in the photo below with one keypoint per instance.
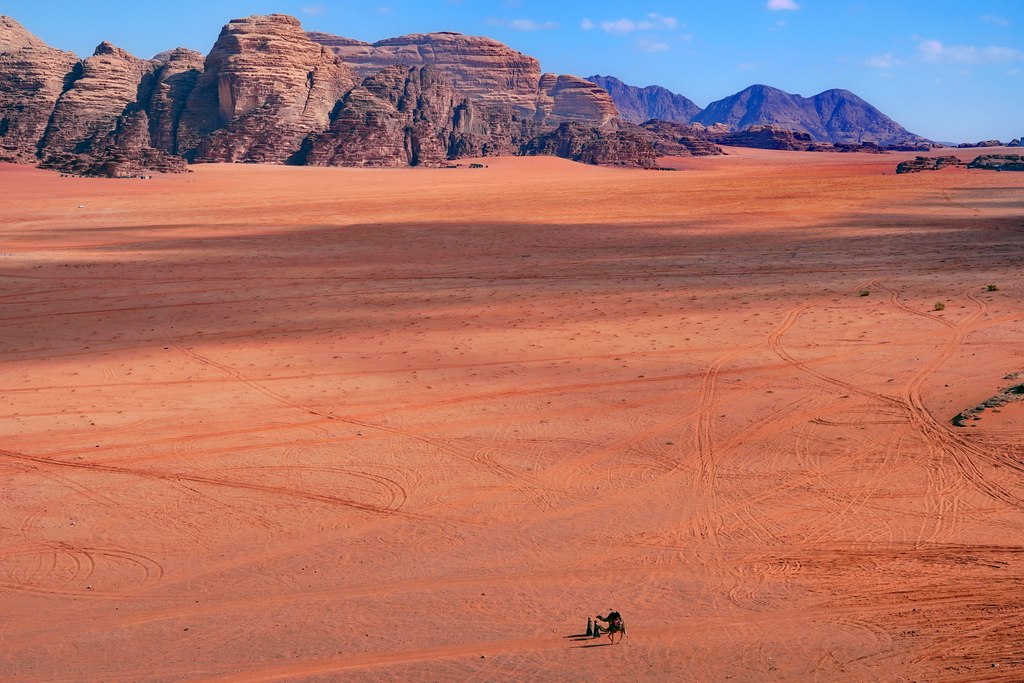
x,y
269,423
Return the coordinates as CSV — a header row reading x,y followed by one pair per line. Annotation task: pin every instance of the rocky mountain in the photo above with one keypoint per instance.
x,y
638,105
32,78
268,93
265,86
831,116
484,70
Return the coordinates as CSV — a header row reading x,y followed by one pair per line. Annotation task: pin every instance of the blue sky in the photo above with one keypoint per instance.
x,y
951,70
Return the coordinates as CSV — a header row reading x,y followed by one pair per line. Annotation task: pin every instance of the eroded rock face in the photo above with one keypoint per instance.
x,y
999,162
681,140
125,152
771,137
32,78
480,68
265,86
173,81
571,98
398,117
592,145
919,164
101,89
485,71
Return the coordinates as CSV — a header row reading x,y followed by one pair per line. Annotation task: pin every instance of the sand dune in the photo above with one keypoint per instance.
x,y
274,423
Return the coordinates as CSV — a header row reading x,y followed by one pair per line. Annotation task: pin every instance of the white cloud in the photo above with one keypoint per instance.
x,y
936,51
646,45
652,22
314,10
776,5
524,24
994,19
885,61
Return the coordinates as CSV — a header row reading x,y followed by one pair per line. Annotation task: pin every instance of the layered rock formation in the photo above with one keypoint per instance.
x,y
32,77
265,87
830,116
483,70
591,145
101,88
771,137
999,162
682,140
480,68
398,117
637,105
176,74
268,92
918,164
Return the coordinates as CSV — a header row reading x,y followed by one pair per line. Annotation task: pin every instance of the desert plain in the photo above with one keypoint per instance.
x,y
299,424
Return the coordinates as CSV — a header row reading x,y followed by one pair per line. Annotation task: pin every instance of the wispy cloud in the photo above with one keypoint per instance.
x,y
621,27
994,19
314,10
646,45
886,61
776,5
384,9
936,51
523,24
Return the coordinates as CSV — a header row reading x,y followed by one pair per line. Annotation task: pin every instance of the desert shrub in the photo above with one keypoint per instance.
x,y
864,292
939,306
991,288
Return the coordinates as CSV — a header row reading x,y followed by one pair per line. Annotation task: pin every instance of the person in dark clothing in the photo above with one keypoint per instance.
x,y
615,625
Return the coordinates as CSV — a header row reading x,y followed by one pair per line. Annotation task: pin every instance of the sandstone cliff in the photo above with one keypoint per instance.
x,y
265,86
485,71
101,88
32,77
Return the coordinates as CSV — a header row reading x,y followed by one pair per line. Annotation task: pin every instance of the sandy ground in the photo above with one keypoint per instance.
x,y
268,423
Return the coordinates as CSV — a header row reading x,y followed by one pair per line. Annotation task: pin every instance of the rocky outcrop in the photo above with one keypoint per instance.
x,y
265,86
413,116
571,98
637,105
918,164
681,140
480,68
172,82
999,162
592,145
830,116
771,137
983,143
485,71
398,117
125,152
101,89
32,77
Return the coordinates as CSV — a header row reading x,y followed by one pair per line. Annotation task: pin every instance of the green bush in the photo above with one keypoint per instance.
x,y
991,288
939,306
